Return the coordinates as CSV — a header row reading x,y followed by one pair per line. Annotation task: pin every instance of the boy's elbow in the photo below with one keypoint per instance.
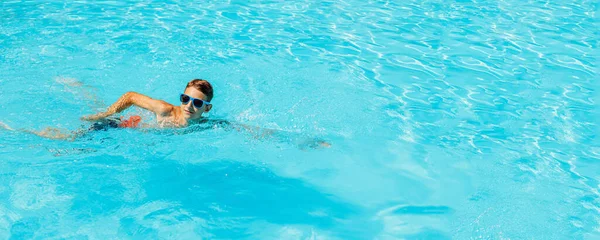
x,y
130,94
130,97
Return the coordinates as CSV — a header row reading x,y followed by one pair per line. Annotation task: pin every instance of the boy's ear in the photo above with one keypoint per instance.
x,y
208,108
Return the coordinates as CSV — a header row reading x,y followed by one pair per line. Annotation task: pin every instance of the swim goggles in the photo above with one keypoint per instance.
x,y
198,103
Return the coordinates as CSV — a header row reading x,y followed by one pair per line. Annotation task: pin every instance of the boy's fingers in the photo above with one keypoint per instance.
x,y
89,118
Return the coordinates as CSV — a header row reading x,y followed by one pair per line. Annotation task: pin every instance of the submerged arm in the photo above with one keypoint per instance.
x,y
303,142
132,98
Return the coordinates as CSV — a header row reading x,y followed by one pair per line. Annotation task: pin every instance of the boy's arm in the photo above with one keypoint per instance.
x,y
261,133
51,133
132,98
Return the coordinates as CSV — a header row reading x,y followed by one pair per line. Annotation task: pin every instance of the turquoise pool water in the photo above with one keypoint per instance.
x,y
447,119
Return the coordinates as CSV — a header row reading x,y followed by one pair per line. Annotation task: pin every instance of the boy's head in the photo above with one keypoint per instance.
x,y
196,90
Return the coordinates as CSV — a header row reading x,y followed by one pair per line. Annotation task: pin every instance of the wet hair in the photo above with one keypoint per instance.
x,y
202,86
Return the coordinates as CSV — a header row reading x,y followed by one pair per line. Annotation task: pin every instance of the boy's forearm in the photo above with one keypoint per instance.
x,y
121,104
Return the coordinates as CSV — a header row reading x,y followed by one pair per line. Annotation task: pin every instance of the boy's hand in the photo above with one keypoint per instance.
x,y
94,117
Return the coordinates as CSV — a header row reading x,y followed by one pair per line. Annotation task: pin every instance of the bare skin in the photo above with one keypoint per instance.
x,y
167,115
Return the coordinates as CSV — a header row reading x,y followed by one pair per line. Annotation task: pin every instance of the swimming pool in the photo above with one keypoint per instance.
x,y
448,120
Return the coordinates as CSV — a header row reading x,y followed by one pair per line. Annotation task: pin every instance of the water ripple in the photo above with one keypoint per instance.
x,y
448,119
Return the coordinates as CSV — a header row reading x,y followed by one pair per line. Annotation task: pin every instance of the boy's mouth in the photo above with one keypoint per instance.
x,y
188,111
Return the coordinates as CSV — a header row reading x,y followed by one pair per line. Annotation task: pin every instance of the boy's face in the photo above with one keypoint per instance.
x,y
189,110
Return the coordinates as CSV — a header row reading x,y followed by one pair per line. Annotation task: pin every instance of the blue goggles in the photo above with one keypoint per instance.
x,y
198,103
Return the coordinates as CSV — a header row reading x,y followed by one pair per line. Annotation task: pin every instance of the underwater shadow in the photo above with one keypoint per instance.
x,y
235,190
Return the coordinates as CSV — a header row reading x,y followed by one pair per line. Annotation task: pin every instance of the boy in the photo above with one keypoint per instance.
x,y
195,100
